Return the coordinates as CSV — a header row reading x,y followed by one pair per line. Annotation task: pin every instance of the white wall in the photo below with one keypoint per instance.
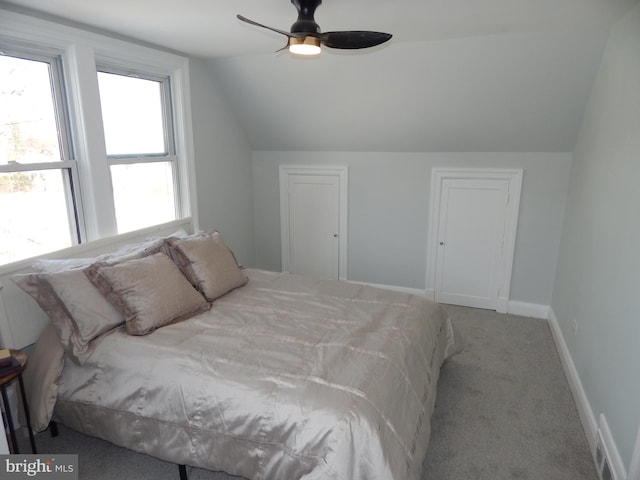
x,y
389,210
222,166
598,276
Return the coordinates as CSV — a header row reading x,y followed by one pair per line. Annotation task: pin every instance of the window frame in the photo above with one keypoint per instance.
x,y
67,165
170,156
167,115
81,51
56,79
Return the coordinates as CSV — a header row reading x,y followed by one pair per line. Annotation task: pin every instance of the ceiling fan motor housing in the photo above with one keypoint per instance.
x,y
306,23
306,37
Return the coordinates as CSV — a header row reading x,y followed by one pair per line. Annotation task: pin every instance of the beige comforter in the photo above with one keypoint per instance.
x,y
285,378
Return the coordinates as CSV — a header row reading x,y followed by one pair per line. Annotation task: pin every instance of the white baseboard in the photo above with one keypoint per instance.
x,y
502,305
512,307
413,291
525,309
634,468
592,428
610,450
587,417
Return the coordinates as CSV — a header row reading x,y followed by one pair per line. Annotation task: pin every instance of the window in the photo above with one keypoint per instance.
x,y
86,152
37,208
136,114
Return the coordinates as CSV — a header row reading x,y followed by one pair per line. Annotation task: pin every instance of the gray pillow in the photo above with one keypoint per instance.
x,y
149,292
77,310
46,361
207,262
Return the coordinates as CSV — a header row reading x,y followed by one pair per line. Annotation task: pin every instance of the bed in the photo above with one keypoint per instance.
x,y
266,376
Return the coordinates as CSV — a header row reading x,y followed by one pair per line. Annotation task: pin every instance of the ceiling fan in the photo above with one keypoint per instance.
x,y
306,37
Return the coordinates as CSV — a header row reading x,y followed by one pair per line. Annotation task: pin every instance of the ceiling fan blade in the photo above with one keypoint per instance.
x,y
354,39
281,32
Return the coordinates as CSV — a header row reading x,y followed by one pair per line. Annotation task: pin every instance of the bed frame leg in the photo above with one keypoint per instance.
x,y
183,472
53,428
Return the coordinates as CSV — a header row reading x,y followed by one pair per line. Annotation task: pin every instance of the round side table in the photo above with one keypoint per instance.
x,y
5,381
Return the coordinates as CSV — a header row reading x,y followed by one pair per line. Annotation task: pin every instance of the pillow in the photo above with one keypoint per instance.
x,y
149,292
51,265
89,312
134,250
41,379
77,310
207,262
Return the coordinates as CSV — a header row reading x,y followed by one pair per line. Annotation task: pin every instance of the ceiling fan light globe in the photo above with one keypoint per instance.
x,y
307,46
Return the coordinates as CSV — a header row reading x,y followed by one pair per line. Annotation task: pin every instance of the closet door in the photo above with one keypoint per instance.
x,y
473,230
470,239
313,205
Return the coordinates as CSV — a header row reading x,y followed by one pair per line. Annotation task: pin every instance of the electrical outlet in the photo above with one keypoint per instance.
x,y
574,326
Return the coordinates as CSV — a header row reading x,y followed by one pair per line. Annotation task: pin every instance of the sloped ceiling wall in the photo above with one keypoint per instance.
x,y
505,92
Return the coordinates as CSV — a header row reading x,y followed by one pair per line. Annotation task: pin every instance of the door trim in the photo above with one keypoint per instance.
x,y
514,177
342,172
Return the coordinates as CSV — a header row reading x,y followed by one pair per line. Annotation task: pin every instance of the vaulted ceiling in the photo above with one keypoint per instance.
x,y
458,75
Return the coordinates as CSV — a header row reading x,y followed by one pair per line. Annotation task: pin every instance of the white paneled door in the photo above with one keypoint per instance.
x,y
473,225
472,221
312,208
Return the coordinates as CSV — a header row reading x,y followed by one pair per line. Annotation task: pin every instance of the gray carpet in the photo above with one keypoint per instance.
x,y
504,411
504,408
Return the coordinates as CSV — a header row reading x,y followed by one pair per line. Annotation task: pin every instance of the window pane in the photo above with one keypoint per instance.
x,y
33,214
28,128
132,114
143,195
